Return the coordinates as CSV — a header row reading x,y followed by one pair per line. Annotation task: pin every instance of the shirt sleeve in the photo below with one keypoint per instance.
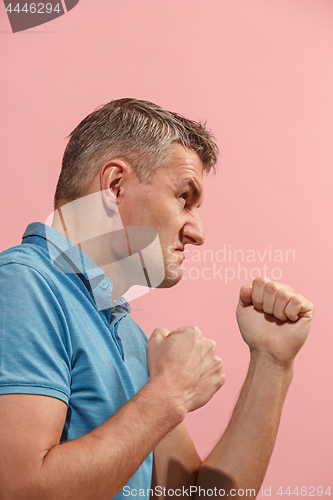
x,y
35,348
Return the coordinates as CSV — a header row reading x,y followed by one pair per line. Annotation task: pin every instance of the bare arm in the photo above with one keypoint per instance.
x,y
241,457
275,329
34,466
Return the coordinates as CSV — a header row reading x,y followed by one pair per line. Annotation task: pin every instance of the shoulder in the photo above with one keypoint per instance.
x,y
28,287
31,256
27,266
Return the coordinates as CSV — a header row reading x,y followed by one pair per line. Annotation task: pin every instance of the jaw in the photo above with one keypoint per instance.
x,y
173,275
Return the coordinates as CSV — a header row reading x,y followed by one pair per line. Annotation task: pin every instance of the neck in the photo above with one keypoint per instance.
x,y
104,241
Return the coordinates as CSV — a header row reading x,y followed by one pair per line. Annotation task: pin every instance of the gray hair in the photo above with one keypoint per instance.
x,y
139,132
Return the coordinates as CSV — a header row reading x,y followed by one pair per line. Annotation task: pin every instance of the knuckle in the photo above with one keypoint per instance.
x,y
218,361
271,287
159,333
296,300
212,344
260,280
285,294
195,331
222,379
193,334
153,338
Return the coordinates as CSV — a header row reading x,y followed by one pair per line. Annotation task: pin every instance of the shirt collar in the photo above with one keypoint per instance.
x,y
68,258
64,255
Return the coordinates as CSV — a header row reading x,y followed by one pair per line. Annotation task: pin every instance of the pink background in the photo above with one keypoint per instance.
x,y
261,73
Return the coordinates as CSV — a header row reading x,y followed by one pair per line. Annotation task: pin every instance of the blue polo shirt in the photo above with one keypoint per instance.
x,y
60,337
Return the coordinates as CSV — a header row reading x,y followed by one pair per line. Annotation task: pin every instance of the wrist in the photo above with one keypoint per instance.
x,y
167,399
264,361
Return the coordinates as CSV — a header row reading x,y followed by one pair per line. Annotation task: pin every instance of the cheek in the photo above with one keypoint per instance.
x,y
169,234
132,212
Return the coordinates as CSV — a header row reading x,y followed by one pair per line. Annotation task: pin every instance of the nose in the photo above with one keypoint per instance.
x,y
192,231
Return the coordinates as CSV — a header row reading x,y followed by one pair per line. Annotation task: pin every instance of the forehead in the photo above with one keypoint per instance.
x,y
182,171
182,162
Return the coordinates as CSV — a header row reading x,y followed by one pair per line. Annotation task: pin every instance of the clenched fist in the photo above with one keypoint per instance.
x,y
188,363
274,320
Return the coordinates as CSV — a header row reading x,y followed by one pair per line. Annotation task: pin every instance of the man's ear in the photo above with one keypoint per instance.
x,y
112,179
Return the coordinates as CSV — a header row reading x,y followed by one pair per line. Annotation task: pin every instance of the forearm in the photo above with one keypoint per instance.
x,y
100,463
241,457
274,322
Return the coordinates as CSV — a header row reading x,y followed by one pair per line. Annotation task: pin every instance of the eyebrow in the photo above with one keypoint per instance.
x,y
195,191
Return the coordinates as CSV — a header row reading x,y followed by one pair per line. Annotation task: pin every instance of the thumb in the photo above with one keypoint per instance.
x,y
160,332
245,296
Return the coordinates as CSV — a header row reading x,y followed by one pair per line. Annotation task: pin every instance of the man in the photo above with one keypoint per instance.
x,y
79,418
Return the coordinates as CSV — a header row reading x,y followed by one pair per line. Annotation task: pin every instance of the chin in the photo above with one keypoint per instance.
x,y
173,275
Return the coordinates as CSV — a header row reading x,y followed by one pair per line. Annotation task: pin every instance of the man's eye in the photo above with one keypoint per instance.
x,y
184,197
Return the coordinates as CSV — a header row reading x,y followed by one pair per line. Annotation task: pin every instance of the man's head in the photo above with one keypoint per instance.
x,y
140,132
148,164
168,204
